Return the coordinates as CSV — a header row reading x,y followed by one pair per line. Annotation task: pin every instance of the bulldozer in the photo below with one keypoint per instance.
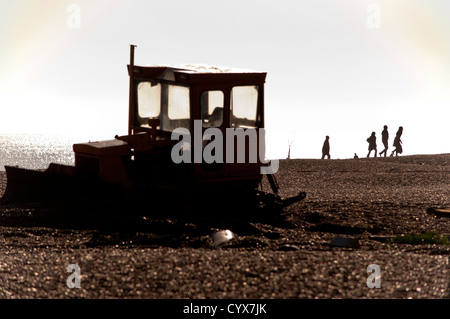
x,y
159,158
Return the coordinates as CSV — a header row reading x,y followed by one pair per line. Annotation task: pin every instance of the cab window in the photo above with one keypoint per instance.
x,y
211,103
244,106
169,103
149,99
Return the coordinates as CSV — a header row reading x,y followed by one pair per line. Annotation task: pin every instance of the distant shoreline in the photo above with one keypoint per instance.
x,y
2,167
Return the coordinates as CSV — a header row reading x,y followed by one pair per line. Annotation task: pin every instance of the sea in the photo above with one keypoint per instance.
x,y
36,151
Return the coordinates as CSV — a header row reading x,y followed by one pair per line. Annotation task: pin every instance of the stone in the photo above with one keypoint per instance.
x,y
345,242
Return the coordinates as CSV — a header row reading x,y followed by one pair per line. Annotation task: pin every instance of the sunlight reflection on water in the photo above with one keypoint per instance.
x,y
36,151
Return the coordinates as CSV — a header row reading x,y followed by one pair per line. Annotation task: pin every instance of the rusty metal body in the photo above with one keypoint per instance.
x,y
162,100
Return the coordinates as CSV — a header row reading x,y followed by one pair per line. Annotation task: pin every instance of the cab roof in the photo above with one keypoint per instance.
x,y
197,73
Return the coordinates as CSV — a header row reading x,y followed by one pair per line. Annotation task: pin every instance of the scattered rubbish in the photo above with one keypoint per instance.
x,y
289,248
345,242
439,212
221,237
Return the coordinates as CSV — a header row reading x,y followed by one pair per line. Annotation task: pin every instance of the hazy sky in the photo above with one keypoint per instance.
x,y
338,68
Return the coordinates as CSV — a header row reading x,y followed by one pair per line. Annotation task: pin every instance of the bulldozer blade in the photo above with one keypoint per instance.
x,y
53,184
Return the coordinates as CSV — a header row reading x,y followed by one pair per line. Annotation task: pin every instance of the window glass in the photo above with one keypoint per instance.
x,y
167,102
244,106
212,108
178,102
149,99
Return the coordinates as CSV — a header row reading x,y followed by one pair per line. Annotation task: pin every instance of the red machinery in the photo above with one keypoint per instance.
x,y
167,104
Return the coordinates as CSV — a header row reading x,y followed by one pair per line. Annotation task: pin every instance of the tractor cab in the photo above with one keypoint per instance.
x,y
218,97
187,124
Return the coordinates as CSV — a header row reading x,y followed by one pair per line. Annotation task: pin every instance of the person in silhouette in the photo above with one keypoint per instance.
x,y
398,142
384,139
326,148
372,140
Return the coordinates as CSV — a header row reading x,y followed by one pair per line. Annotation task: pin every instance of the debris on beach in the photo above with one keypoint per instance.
x,y
345,242
222,236
289,248
439,212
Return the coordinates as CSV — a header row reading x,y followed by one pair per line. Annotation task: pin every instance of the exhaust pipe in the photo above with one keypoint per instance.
x,y
131,105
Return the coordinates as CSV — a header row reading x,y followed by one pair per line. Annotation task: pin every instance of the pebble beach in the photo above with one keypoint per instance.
x,y
353,215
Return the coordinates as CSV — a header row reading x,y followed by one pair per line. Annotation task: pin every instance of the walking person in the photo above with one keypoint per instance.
x,y
372,140
385,139
398,142
326,148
